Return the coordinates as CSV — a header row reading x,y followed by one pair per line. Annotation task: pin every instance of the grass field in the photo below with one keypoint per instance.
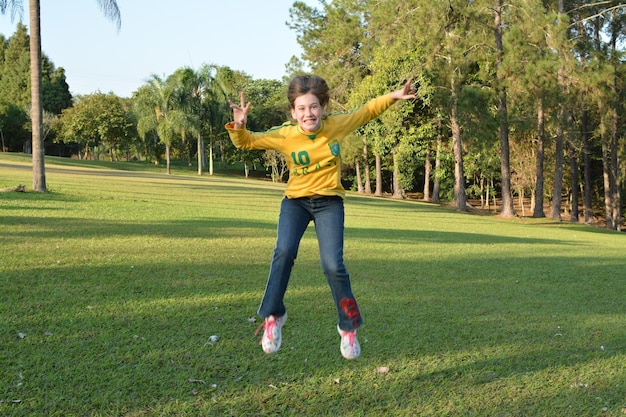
x,y
113,282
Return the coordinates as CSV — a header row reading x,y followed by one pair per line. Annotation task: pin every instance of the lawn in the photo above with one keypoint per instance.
x,y
113,283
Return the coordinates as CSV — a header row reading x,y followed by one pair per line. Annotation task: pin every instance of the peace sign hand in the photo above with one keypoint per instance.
x,y
407,92
240,112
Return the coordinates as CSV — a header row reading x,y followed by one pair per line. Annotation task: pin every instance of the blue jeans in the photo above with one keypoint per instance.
x,y
327,213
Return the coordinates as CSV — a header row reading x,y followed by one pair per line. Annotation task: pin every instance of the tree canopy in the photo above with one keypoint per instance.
x,y
518,100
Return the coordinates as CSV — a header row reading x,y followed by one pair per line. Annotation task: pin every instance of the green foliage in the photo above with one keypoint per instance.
x,y
270,107
55,90
12,122
570,57
163,108
15,87
337,43
96,119
114,282
15,74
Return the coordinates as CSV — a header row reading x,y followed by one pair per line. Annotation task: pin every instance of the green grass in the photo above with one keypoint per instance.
x,y
112,283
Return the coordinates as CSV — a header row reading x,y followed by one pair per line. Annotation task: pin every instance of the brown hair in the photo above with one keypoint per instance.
x,y
304,84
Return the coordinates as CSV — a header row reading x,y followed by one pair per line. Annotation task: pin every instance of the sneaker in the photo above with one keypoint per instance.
x,y
350,348
272,335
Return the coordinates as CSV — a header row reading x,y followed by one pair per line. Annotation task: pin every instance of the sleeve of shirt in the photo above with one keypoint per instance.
x,y
369,111
245,139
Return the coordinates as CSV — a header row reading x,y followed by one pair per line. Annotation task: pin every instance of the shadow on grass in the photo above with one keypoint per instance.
x,y
201,228
208,226
123,337
132,338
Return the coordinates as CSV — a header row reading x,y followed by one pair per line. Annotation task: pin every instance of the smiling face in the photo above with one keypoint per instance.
x,y
308,112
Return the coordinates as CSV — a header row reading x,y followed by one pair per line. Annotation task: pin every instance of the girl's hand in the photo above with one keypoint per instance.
x,y
240,112
405,93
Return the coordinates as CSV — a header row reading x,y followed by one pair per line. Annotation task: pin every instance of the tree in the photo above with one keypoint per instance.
x,y
528,70
204,96
39,174
501,92
14,77
270,109
54,89
12,119
96,119
337,42
162,108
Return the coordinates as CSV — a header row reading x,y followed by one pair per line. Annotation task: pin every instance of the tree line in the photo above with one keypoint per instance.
x,y
517,100
522,98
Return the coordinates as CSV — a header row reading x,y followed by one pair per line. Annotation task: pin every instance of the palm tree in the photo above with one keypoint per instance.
x,y
110,10
200,89
161,109
213,101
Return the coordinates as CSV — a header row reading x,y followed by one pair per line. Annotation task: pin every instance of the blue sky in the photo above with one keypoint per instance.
x,y
159,36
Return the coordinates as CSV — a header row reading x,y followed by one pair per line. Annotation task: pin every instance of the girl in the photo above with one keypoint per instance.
x,y
314,192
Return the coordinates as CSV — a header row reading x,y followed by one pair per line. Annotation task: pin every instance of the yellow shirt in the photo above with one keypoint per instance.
x,y
313,159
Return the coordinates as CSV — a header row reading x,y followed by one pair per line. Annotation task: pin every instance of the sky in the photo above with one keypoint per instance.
x,y
158,37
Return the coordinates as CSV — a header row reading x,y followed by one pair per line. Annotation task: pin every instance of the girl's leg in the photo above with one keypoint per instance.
x,y
329,226
292,222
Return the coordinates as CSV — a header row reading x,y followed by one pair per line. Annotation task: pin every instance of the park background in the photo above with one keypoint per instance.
x,y
519,105
153,233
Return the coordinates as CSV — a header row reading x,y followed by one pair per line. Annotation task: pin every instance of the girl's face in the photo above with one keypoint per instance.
x,y
308,112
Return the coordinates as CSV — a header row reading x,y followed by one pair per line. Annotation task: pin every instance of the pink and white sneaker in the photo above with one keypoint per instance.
x,y
272,334
350,348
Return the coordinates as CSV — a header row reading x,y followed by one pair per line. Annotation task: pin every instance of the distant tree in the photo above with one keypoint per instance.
x,y
233,82
203,95
161,109
14,77
270,109
12,120
337,42
96,119
39,173
55,90
503,115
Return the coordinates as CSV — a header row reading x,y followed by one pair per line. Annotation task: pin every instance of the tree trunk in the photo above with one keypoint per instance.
x,y
379,177
505,165
359,180
428,168
200,152
437,179
460,198
615,168
615,172
398,192
555,209
573,170
366,170
606,175
210,156
36,113
167,158
610,170
538,207
587,168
